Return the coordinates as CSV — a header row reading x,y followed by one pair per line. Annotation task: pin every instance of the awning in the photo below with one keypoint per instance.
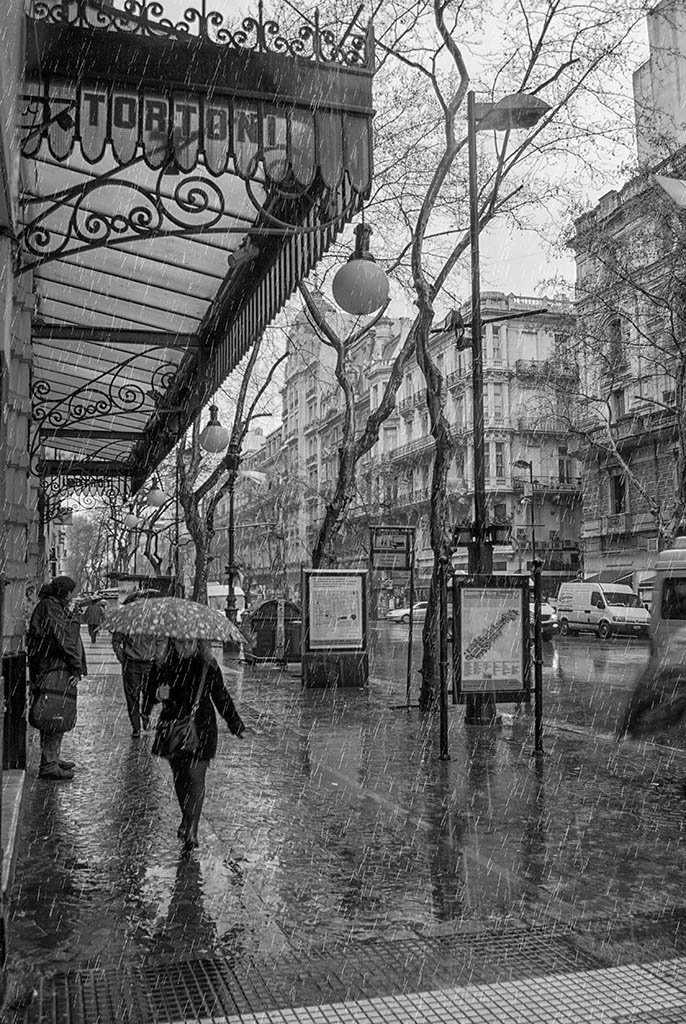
x,y
180,178
623,576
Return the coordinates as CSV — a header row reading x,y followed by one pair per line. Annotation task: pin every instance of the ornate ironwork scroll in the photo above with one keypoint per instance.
x,y
312,39
107,393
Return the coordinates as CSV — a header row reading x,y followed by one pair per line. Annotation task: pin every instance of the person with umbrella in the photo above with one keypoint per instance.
x,y
137,654
191,686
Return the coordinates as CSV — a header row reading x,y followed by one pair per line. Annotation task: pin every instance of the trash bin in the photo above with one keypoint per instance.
x,y
264,625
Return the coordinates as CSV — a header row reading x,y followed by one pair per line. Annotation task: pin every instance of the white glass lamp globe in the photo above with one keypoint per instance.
x,y
155,497
131,521
214,437
360,287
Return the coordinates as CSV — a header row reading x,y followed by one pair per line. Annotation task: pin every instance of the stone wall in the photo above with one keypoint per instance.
x,y
18,496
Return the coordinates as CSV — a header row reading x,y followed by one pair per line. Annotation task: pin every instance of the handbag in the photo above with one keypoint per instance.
x,y
54,702
175,737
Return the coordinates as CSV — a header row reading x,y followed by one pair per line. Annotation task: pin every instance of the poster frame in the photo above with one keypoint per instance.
x,y
360,576
505,582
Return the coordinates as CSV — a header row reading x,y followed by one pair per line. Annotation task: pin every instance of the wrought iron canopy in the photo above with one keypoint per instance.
x,y
181,178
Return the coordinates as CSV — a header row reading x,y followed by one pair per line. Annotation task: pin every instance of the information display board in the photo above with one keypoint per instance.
x,y
491,626
335,611
391,547
335,627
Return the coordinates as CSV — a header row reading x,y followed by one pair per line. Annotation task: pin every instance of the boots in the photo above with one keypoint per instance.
x,y
56,773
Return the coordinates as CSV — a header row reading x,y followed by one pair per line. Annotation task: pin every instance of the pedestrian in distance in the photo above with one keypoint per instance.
x,y
55,657
95,613
190,683
138,655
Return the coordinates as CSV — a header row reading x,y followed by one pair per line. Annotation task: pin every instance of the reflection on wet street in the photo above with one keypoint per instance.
x,y
335,820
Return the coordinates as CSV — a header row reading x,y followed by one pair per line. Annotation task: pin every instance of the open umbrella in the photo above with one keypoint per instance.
x,y
172,617
657,703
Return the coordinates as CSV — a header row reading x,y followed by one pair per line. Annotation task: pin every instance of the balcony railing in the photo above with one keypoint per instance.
x,y
456,377
422,444
412,401
543,424
547,483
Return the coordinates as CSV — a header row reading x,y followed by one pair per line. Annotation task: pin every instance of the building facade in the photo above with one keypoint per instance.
x,y
632,327
525,344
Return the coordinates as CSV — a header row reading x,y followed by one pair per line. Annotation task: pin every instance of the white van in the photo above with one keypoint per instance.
x,y
602,608
668,616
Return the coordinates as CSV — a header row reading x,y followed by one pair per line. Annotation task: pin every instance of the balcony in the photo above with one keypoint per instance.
x,y
548,483
542,370
418,447
543,424
412,401
458,377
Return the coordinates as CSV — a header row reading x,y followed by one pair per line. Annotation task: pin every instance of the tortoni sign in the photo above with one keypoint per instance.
x,y
184,126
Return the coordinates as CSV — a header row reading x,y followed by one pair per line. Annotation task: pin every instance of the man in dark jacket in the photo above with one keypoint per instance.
x,y
95,613
54,642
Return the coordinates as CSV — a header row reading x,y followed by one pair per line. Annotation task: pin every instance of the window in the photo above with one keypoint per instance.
x,y
617,494
487,461
615,343
498,402
499,459
674,598
390,439
564,464
618,403
597,599
497,345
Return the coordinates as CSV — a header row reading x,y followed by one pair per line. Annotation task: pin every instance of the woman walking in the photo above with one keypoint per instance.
x,y
189,681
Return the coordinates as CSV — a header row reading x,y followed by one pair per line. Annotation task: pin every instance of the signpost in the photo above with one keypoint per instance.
x,y
392,547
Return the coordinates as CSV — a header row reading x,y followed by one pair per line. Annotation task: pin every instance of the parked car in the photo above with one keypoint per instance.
x,y
403,614
602,608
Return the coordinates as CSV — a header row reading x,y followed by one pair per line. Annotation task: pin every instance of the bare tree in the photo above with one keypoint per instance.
x,y
418,202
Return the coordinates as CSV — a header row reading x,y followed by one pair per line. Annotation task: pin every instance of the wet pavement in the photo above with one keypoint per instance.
x,y
340,859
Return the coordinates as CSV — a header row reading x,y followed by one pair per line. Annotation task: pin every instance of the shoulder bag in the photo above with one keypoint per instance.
x,y
54,702
176,737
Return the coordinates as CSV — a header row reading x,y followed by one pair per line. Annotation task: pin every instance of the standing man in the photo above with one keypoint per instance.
x,y
53,642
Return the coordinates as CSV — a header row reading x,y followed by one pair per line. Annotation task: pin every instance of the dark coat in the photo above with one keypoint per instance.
x,y
54,640
94,615
182,676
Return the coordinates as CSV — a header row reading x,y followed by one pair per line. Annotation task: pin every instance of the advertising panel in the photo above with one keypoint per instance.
x,y
335,610
492,627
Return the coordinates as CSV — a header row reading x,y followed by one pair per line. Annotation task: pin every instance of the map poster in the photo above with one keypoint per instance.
x,y
493,625
336,610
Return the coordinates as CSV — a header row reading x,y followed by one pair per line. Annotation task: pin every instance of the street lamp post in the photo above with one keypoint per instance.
x,y
232,460
538,631
516,111
525,464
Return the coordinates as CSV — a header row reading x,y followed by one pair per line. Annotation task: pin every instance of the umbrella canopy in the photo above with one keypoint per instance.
x,y
172,617
657,704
